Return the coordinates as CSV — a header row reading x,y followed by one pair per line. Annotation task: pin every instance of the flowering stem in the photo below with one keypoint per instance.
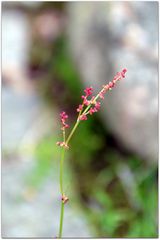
x,y
81,116
61,167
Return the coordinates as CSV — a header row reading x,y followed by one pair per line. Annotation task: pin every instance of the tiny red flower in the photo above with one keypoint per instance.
x,y
111,84
123,72
83,117
91,111
88,91
80,108
86,102
97,105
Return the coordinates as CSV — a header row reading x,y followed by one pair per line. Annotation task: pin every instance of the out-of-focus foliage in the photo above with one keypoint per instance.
x,y
46,154
63,67
122,210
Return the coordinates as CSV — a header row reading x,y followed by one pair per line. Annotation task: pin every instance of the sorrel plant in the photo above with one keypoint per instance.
x,y
89,106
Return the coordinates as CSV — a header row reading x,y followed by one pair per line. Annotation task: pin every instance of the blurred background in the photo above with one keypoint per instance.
x,y
50,52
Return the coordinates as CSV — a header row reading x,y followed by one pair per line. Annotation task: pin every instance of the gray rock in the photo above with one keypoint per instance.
x,y
105,37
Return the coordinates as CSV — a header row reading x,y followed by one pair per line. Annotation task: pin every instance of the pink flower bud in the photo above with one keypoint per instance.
x,y
97,105
111,84
91,111
101,95
86,102
83,117
88,91
80,108
64,199
123,72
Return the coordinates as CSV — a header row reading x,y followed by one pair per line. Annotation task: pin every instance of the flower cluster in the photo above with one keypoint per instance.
x,y
86,102
110,85
95,108
64,116
92,104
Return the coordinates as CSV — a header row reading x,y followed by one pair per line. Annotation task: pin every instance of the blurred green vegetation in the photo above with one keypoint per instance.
x,y
124,209
117,189
46,154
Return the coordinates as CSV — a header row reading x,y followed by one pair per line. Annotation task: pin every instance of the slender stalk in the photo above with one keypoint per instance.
x,y
61,178
61,189
61,170
61,220
61,167
64,136
73,130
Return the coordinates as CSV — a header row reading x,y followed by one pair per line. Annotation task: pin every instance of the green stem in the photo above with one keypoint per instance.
x,y
61,179
61,167
61,189
61,170
73,130
61,220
